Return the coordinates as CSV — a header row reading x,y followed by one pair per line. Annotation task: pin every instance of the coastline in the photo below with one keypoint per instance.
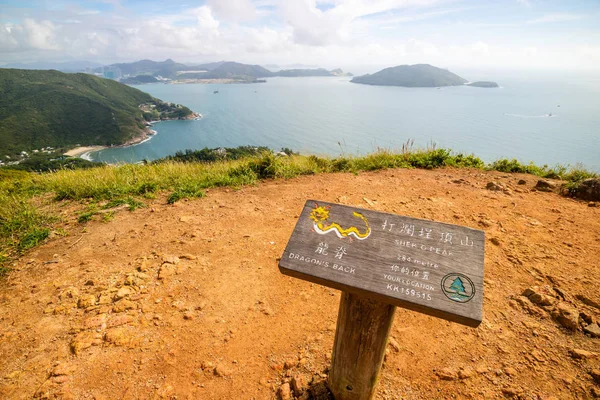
x,y
146,134
82,150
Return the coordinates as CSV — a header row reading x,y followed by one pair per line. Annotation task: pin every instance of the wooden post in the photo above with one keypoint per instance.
x,y
363,327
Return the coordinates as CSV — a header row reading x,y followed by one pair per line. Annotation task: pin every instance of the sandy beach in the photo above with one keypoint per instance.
x,y
78,151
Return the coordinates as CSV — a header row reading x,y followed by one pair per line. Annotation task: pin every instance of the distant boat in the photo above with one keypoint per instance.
x,y
215,92
550,114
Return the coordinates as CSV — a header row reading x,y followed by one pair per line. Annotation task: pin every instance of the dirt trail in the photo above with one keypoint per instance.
x,y
186,301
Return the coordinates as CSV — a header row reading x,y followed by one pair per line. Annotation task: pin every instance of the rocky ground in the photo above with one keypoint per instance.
x,y
186,300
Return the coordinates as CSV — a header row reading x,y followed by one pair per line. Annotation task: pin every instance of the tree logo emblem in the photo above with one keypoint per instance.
x,y
458,287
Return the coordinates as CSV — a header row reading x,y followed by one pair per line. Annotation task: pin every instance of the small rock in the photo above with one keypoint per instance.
x,y
466,373
585,317
536,296
104,299
394,344
593,330
299,384
588,189
117,337
84,340
482,370
511,391
86,301
144,266
495,241
486,222
588,301
123,292
285,392
119,320
566,315
123,305
510,371
96,321
494,186
63,369
171,259
592,204
581,354
447,374
69,293
289,364
222,371
166,270
521,182
545,186
60,379
188,257
188,315
207,365
596,375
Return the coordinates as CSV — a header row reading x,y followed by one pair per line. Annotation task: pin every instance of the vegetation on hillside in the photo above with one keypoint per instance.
x,y
418,75
27,200
139,80
49,108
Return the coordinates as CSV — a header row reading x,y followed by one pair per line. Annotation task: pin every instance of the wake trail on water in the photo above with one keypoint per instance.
x,y
530,116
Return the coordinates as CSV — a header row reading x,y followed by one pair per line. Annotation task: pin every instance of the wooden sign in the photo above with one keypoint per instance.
x,y
425,266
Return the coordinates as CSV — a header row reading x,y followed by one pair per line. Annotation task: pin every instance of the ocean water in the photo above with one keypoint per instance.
x,y
548,119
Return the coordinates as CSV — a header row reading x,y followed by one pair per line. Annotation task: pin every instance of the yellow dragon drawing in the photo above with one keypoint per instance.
x,y
320,215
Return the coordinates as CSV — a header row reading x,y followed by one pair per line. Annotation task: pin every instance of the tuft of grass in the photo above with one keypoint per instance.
x,y
22,226
188,192
32,238
132,203
86,216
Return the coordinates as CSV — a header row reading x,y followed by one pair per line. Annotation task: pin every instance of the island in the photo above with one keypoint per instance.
x,y
418,75
51,109
483,84
139,80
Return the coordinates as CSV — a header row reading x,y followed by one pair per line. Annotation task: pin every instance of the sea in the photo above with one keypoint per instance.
x,y
547,118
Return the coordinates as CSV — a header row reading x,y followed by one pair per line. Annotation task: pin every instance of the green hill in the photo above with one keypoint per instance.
x,y
166,69
139,80
234,70
50,108
418,75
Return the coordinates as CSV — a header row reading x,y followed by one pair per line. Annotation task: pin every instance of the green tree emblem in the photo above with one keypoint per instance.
x,y
457,286
456,291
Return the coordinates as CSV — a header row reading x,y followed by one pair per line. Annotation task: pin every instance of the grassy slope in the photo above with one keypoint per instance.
x,y
50,108
28,200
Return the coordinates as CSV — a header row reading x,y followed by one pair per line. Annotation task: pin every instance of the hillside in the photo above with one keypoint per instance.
x,y
418,75
311,72
166,69
186,300
50,108
234,70
139,80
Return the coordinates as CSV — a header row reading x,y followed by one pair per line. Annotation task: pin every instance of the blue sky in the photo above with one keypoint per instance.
x,y
450,33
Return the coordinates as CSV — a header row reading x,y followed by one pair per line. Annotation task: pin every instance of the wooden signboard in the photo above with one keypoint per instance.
x,y
425,266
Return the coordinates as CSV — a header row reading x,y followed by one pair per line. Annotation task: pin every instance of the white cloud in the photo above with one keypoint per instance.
x,y
29,35
233,10
555,17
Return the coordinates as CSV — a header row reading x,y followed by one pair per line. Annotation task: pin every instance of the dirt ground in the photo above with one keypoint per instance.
x,y
186,301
